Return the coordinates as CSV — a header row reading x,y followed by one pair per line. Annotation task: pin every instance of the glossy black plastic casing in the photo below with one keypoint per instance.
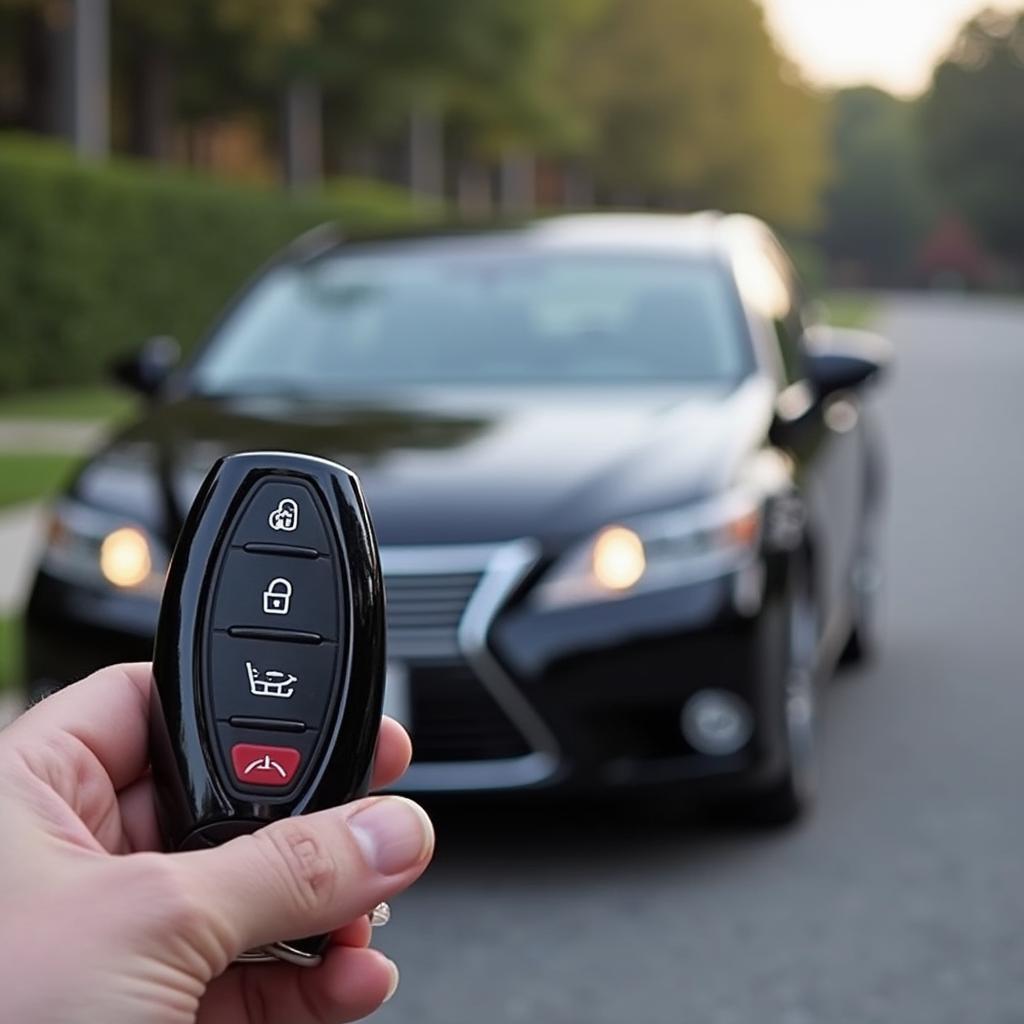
x,y
195,808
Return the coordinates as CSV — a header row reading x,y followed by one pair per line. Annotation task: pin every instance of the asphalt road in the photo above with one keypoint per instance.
x,y
902,900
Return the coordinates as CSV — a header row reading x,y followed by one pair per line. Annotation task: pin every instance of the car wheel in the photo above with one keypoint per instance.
x,y
792,794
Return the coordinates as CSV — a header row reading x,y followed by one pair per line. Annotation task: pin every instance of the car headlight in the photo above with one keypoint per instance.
x,y
100,549
653,552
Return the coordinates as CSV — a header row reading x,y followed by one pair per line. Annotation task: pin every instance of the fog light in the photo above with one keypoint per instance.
x,y
716,722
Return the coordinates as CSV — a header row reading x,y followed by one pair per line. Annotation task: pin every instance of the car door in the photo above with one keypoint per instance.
x,y
828,446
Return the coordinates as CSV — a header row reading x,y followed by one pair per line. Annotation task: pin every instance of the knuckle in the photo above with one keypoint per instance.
x,y
302,862
165,891
175,919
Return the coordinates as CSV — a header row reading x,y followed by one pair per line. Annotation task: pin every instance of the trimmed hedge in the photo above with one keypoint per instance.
x,y
96,258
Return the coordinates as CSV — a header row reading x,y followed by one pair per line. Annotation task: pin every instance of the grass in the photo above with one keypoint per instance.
x,y
10,652
90,403
849,309
34,476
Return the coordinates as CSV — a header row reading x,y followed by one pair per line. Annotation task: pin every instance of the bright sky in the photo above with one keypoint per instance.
x,y
891,43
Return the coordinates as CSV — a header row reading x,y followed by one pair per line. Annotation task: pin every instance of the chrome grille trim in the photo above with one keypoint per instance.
x,y
499,569
424,611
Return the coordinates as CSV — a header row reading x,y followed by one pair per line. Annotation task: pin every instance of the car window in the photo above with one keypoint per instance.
x,y
770,288
473,317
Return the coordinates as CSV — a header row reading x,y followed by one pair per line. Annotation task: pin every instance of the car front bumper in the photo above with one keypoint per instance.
x,y
503,695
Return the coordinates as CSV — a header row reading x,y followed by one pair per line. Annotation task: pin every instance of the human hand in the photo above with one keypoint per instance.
x,y
98,927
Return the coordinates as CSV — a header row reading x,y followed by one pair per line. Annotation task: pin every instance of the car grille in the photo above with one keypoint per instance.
x,y
424,612
454,716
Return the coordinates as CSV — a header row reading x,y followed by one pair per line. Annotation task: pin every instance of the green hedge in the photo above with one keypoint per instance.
x,y
95,258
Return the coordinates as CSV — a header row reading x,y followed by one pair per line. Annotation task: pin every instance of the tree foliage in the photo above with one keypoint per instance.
x,y
973,117
879,203
691,101
670,103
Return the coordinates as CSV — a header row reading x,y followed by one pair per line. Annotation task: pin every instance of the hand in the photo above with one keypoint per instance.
x,y
97,927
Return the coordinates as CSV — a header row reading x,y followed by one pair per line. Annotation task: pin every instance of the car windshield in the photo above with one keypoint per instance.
x,y
430,317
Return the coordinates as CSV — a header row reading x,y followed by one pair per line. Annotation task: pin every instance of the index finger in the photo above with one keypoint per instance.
x,y
108,712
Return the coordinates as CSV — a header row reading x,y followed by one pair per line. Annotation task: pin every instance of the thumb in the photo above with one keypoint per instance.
x,y
310,874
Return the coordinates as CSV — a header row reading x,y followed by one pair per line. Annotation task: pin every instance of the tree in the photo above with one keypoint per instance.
x,y
693,105
878,205
194,59
972,118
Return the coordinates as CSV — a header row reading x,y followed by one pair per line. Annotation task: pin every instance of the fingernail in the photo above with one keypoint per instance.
x,y
393,986
393,833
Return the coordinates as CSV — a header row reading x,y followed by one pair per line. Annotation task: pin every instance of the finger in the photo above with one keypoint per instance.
x,y
138,808
309,874
107,713
355,933
394,752
138,817
349,985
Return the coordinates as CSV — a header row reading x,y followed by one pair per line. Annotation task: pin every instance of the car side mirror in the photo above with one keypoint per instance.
x,y
842,359
147,369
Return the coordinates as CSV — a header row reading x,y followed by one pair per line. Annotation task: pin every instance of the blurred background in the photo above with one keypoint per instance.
x,y
882,140
153,155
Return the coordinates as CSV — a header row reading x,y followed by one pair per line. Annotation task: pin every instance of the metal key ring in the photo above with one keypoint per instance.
x,y
282,952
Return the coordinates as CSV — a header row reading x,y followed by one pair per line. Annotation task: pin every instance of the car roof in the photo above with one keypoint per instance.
x,y
708,234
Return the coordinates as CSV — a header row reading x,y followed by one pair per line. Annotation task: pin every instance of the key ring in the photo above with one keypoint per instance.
x,y
283,952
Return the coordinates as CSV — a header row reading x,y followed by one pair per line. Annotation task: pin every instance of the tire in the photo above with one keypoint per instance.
x,y
792,795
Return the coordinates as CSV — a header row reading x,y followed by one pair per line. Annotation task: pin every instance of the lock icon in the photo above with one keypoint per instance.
x,y
277,598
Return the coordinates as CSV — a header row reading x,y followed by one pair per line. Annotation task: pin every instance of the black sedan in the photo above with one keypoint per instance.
x,y
627,500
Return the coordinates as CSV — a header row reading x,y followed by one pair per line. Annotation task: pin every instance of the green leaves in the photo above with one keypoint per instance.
x,y
972,120
691,103
95,259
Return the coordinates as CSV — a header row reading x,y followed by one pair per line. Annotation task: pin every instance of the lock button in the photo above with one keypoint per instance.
x,y
277,598
277,592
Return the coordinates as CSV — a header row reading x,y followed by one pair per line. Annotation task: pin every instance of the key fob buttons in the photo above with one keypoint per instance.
x,y
275,627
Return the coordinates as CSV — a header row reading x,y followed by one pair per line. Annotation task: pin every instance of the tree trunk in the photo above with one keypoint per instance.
x,y
302,135
37,93
81,67
153,103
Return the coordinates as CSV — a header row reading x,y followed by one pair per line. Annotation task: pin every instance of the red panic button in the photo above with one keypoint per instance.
x,y
259,765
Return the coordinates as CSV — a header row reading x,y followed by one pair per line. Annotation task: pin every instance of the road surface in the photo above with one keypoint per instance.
x,y
902,900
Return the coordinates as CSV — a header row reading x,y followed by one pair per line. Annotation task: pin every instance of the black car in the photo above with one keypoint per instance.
x,y
627,501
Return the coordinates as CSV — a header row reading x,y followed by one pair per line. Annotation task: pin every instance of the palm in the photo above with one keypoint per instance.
x,y
81,778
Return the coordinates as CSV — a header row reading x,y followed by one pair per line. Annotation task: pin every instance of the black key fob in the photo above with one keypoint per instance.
x,y
270,655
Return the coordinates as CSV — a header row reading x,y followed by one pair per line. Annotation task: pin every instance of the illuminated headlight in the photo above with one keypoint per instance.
x,y
653,552
99,549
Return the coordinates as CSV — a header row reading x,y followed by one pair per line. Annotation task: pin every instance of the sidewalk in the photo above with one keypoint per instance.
x,y
22,530
23,527
73,437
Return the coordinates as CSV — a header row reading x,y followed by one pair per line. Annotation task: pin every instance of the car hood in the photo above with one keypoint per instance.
x,y
453,467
